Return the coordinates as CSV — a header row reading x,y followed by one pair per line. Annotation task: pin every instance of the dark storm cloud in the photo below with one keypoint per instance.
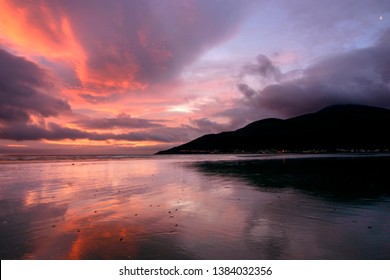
x,y
22,131
206,126
121,121
25,90
360,76
262,68
247,90
179,134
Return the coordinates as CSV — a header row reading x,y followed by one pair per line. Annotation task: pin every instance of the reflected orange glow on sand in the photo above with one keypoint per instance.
x,y
173,208
105,243
110,211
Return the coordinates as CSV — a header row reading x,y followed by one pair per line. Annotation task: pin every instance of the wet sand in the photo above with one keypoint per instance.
x,y
195,207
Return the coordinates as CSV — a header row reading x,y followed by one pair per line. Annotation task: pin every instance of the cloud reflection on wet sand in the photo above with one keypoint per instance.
x,y
167,208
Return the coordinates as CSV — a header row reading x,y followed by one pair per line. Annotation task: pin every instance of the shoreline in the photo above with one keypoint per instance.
x,y
16,159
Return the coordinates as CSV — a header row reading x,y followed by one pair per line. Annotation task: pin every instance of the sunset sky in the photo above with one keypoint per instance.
x,y
121,76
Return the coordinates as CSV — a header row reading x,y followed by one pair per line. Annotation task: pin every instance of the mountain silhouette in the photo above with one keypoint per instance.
x,y
334,128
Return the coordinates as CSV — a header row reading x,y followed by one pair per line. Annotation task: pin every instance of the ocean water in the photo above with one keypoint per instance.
x,y
195,207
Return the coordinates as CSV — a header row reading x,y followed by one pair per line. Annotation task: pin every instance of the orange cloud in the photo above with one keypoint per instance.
x,y
40,30
116,45
37,31
106,58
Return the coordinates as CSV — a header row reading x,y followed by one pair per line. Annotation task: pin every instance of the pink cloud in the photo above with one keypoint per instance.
x,y
120,44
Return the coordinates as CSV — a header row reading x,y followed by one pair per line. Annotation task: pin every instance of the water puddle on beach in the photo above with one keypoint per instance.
x,y
196,207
